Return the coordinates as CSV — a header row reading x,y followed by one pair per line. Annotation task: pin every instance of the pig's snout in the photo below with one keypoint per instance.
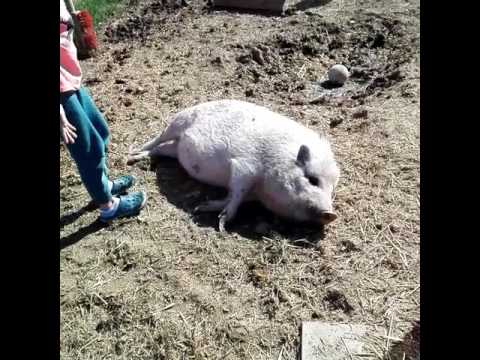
x,y
324,217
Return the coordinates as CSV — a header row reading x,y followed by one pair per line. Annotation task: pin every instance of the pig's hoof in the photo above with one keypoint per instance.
x,y
223,220
221,228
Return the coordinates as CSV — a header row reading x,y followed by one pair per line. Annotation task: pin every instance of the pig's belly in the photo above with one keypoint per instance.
x,y
209,165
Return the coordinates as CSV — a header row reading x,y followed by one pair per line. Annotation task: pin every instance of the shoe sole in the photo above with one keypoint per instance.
x,y
142,205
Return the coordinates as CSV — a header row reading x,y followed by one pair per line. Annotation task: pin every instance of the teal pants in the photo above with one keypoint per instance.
x,y
90,147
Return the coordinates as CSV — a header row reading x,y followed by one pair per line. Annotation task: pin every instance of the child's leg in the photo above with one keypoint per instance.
x,y
96,118
88,151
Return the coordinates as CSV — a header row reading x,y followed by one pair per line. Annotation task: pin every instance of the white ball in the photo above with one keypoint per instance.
x,y
338,74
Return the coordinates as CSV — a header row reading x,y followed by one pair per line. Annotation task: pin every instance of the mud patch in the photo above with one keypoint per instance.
x,y
336,300
140,24
373,47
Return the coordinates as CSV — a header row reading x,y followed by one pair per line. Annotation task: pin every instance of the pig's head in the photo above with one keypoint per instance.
x,y
303,189
314,183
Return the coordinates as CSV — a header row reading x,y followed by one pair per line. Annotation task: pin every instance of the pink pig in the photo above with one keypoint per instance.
x,y
256,154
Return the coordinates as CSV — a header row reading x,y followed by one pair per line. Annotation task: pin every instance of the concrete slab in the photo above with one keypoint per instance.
x,y
322,341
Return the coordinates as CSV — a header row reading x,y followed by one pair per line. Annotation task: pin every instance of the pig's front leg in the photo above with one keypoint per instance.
x,y
242,179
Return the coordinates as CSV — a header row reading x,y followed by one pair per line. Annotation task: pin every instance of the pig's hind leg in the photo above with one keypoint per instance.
x,y
168,149
166,143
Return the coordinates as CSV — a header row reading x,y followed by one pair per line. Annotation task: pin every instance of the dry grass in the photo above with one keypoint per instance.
x,y
167,285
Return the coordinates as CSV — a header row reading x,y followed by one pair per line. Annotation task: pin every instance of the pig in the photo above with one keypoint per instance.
x,y
256,154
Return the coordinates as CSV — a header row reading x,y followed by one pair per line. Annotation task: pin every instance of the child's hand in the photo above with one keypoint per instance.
x,y
67,130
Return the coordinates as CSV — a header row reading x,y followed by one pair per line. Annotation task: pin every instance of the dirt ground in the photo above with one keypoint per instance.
x,y
168,285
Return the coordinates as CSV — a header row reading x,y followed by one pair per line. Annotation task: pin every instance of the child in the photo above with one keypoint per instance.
x,y
85,133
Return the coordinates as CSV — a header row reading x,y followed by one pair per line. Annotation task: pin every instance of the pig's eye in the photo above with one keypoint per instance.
x,y
313,180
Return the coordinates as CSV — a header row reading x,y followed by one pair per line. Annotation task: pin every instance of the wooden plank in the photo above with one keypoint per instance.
x,y
272,5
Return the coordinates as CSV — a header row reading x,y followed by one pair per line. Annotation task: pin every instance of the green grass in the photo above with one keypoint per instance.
x,y
100,9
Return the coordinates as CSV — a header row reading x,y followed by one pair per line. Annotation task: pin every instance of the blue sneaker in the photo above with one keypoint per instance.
x,y
129,205
122,184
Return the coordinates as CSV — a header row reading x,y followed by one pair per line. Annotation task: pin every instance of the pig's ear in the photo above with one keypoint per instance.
x,y
303,156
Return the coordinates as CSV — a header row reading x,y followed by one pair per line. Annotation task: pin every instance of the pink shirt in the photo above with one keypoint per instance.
x,y
70,71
